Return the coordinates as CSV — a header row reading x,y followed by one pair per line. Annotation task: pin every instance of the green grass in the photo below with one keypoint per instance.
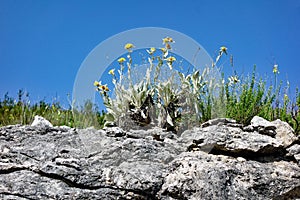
x,y
243,102
252,97
20,111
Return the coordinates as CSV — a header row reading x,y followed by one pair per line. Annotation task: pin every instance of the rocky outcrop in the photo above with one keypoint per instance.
x,y
219,160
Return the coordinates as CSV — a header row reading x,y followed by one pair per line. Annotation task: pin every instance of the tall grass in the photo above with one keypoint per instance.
x,y
253,97
21,111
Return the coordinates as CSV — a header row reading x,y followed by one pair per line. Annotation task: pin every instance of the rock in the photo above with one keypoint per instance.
x,y
284,132
260,122
41,122
263,126
221,139
199,175
115,132
217,161
294,151
218,121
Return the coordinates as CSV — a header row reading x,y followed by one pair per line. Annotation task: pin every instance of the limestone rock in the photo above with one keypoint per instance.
x,y
41,122
294,151
263,126
284,132
217,161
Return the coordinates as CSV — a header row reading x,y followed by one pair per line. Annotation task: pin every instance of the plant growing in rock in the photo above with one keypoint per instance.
x,y
165,97
176,100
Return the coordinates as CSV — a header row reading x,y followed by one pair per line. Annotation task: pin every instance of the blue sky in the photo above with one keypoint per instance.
x,y
43,43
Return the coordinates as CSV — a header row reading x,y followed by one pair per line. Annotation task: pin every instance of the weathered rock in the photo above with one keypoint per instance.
x,y
232,141
294,151
284,132
262,126
219,121
217,161
199,175
41,122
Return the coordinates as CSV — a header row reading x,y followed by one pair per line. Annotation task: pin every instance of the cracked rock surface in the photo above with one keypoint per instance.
x,y
219,160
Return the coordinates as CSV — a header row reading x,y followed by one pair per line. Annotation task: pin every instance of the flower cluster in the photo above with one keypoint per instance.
x,y
121,60
129,47
167,41
170,61
101,88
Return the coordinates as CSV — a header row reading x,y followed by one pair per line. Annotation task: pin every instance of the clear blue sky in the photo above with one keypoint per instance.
x,y
43,43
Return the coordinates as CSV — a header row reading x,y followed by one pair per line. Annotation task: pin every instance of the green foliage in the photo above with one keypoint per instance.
x,y
20,111
246,100
251,98
179,101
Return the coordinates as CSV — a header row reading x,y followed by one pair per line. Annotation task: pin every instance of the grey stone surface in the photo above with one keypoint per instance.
x,y
40,121
217,161
262,126
284,132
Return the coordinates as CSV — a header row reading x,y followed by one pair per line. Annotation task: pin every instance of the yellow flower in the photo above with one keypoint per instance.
x,y
167,40
171,59
112,72
275,69
104,88
223,50
164,50
128,46
97,84
121,60
151,51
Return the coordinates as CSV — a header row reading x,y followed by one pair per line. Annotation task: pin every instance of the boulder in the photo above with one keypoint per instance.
x,y
262,126
41,122
284,132
220,160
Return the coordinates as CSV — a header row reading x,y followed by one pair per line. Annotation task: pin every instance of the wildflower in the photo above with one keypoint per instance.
x,y
112,72
233,80
223,50
104,88
97,84
128,46
164,50
275,69
151,51
167,40
171,59
121,60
